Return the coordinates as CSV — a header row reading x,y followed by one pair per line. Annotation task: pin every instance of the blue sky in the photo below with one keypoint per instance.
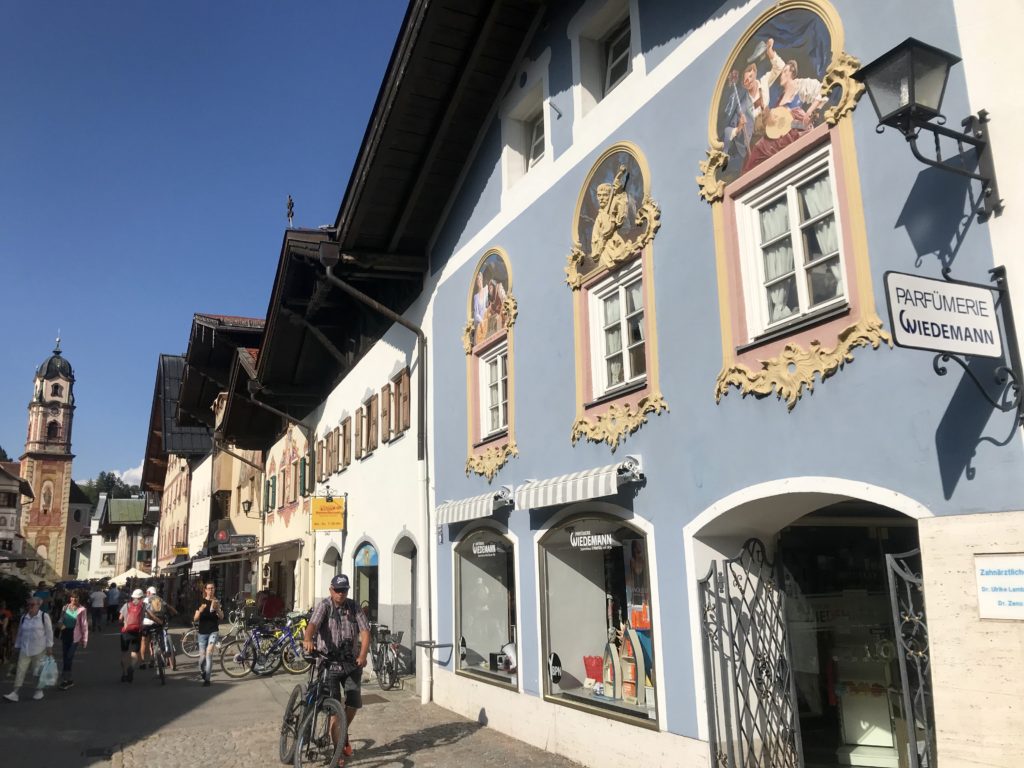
x,y
147,150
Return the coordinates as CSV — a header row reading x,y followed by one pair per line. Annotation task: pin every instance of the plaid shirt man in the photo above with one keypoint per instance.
x,y
338,627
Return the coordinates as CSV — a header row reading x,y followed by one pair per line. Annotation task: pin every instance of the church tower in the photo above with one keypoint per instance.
x,y
46,463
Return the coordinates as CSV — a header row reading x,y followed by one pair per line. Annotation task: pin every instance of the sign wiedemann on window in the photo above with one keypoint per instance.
x,y
329,515
942,316
586,541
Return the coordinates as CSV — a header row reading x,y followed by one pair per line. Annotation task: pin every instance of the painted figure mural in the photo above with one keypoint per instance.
x,y
490,290
771,97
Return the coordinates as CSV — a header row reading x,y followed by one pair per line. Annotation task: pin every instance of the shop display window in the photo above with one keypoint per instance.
x,y
486,607
598,618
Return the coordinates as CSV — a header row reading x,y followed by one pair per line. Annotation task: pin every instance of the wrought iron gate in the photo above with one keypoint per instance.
x,y
751,694
906,590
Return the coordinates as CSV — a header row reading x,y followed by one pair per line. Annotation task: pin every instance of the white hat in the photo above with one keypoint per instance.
x,y
137,593
150,590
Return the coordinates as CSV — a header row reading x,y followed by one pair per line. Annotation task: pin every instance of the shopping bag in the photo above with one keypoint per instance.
x,y
48,673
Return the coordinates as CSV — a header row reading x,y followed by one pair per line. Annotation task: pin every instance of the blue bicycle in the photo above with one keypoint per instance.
x,y
264,650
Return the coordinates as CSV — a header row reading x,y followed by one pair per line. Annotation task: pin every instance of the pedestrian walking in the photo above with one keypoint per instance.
x,y
336,623
131,614
97,602
74,632
208,616
113,603
35,640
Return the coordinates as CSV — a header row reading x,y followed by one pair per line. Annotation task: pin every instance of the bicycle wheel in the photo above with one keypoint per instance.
x,y
378,668
389,676
237,659
190,643
267,660
290,725
158,659
314,745
293,660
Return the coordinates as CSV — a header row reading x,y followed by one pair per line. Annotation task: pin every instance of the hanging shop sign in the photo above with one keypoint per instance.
x,y
180,551
943,316
329,515
1000,581
244,542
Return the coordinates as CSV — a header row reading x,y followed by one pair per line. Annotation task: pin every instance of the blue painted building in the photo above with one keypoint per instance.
x,y
673,439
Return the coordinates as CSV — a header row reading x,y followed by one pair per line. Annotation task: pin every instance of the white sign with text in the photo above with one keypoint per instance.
x,y
941,316
1000,580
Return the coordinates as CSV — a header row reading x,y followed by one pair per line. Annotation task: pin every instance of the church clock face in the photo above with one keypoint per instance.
x,y
54,410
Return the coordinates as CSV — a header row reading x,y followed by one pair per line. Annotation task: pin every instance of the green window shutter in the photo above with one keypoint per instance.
x,y
266,495
273,492
302,476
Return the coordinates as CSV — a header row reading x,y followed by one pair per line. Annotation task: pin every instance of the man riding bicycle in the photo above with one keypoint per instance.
x,y
335,624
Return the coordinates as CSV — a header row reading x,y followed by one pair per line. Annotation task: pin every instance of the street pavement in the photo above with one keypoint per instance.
x,y
103,722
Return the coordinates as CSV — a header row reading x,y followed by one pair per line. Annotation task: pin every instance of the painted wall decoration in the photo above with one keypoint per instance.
x,y
488,340
772,96
615,219
786,91
613,228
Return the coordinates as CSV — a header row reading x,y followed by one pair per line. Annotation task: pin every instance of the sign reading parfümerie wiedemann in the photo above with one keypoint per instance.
x,y
942,316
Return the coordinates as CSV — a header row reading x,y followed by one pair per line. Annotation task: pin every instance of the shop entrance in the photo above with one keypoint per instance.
x,y
366,565
815,645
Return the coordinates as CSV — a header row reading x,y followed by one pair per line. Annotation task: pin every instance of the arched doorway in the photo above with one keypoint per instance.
x,y
365,574
403,600
809,659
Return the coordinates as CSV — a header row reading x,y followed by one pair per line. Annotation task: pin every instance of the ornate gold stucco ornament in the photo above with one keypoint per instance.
x,y
618,422
608,248
467,337
794,368
712,189
840,75
491,460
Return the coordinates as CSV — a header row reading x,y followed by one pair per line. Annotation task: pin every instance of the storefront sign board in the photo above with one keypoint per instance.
x,y
180,551
586,541
942,316
244,541
1000,581
484,549
329,515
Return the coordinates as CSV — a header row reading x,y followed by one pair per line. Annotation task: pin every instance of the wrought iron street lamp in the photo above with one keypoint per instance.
x,y
247,507
906,86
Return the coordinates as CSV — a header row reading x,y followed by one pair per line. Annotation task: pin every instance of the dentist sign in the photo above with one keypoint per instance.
x,y
942,316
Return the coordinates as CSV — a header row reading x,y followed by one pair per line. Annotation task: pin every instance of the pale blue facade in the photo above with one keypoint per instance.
x,y
885,419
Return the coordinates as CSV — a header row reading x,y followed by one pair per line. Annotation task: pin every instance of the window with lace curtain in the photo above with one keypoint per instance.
x,y
790,244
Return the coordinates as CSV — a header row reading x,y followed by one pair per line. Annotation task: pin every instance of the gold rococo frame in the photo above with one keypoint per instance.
x,y
626,416
794,369
490,460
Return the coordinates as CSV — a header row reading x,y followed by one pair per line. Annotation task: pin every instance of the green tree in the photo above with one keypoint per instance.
x,y
3,455
110,484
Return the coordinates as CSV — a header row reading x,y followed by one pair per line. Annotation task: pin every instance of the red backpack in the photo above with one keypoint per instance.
x,y
133,617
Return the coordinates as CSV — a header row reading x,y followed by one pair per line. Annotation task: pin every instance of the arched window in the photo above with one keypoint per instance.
x,y
485,599
56,391
781,178
490,375
610,272
597,617
366,579
53,430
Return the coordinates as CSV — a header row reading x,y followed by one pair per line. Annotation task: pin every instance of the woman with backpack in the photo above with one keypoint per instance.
x,y
35,638
74,631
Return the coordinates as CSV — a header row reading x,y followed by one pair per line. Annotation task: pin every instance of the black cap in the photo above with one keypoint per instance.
x,y
340,583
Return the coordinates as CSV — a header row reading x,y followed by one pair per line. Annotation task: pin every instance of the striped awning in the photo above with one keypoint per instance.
x,y
474,507
578,486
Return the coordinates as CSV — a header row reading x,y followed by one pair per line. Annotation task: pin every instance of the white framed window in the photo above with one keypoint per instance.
x,y
535,139
616,50
494,391
791,245
618,339
523,127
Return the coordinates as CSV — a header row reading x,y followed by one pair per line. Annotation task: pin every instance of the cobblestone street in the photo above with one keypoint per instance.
x,y
102,722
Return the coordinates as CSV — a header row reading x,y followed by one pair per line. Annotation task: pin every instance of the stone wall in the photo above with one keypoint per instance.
x,y
976,664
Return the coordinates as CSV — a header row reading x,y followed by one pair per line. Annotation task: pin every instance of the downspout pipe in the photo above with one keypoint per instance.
x,y
329,256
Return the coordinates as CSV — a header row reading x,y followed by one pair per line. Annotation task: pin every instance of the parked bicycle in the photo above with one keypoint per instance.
x,y
384,649
306,726
284,647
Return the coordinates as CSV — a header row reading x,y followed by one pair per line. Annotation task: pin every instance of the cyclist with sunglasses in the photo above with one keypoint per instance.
x,y
334,627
